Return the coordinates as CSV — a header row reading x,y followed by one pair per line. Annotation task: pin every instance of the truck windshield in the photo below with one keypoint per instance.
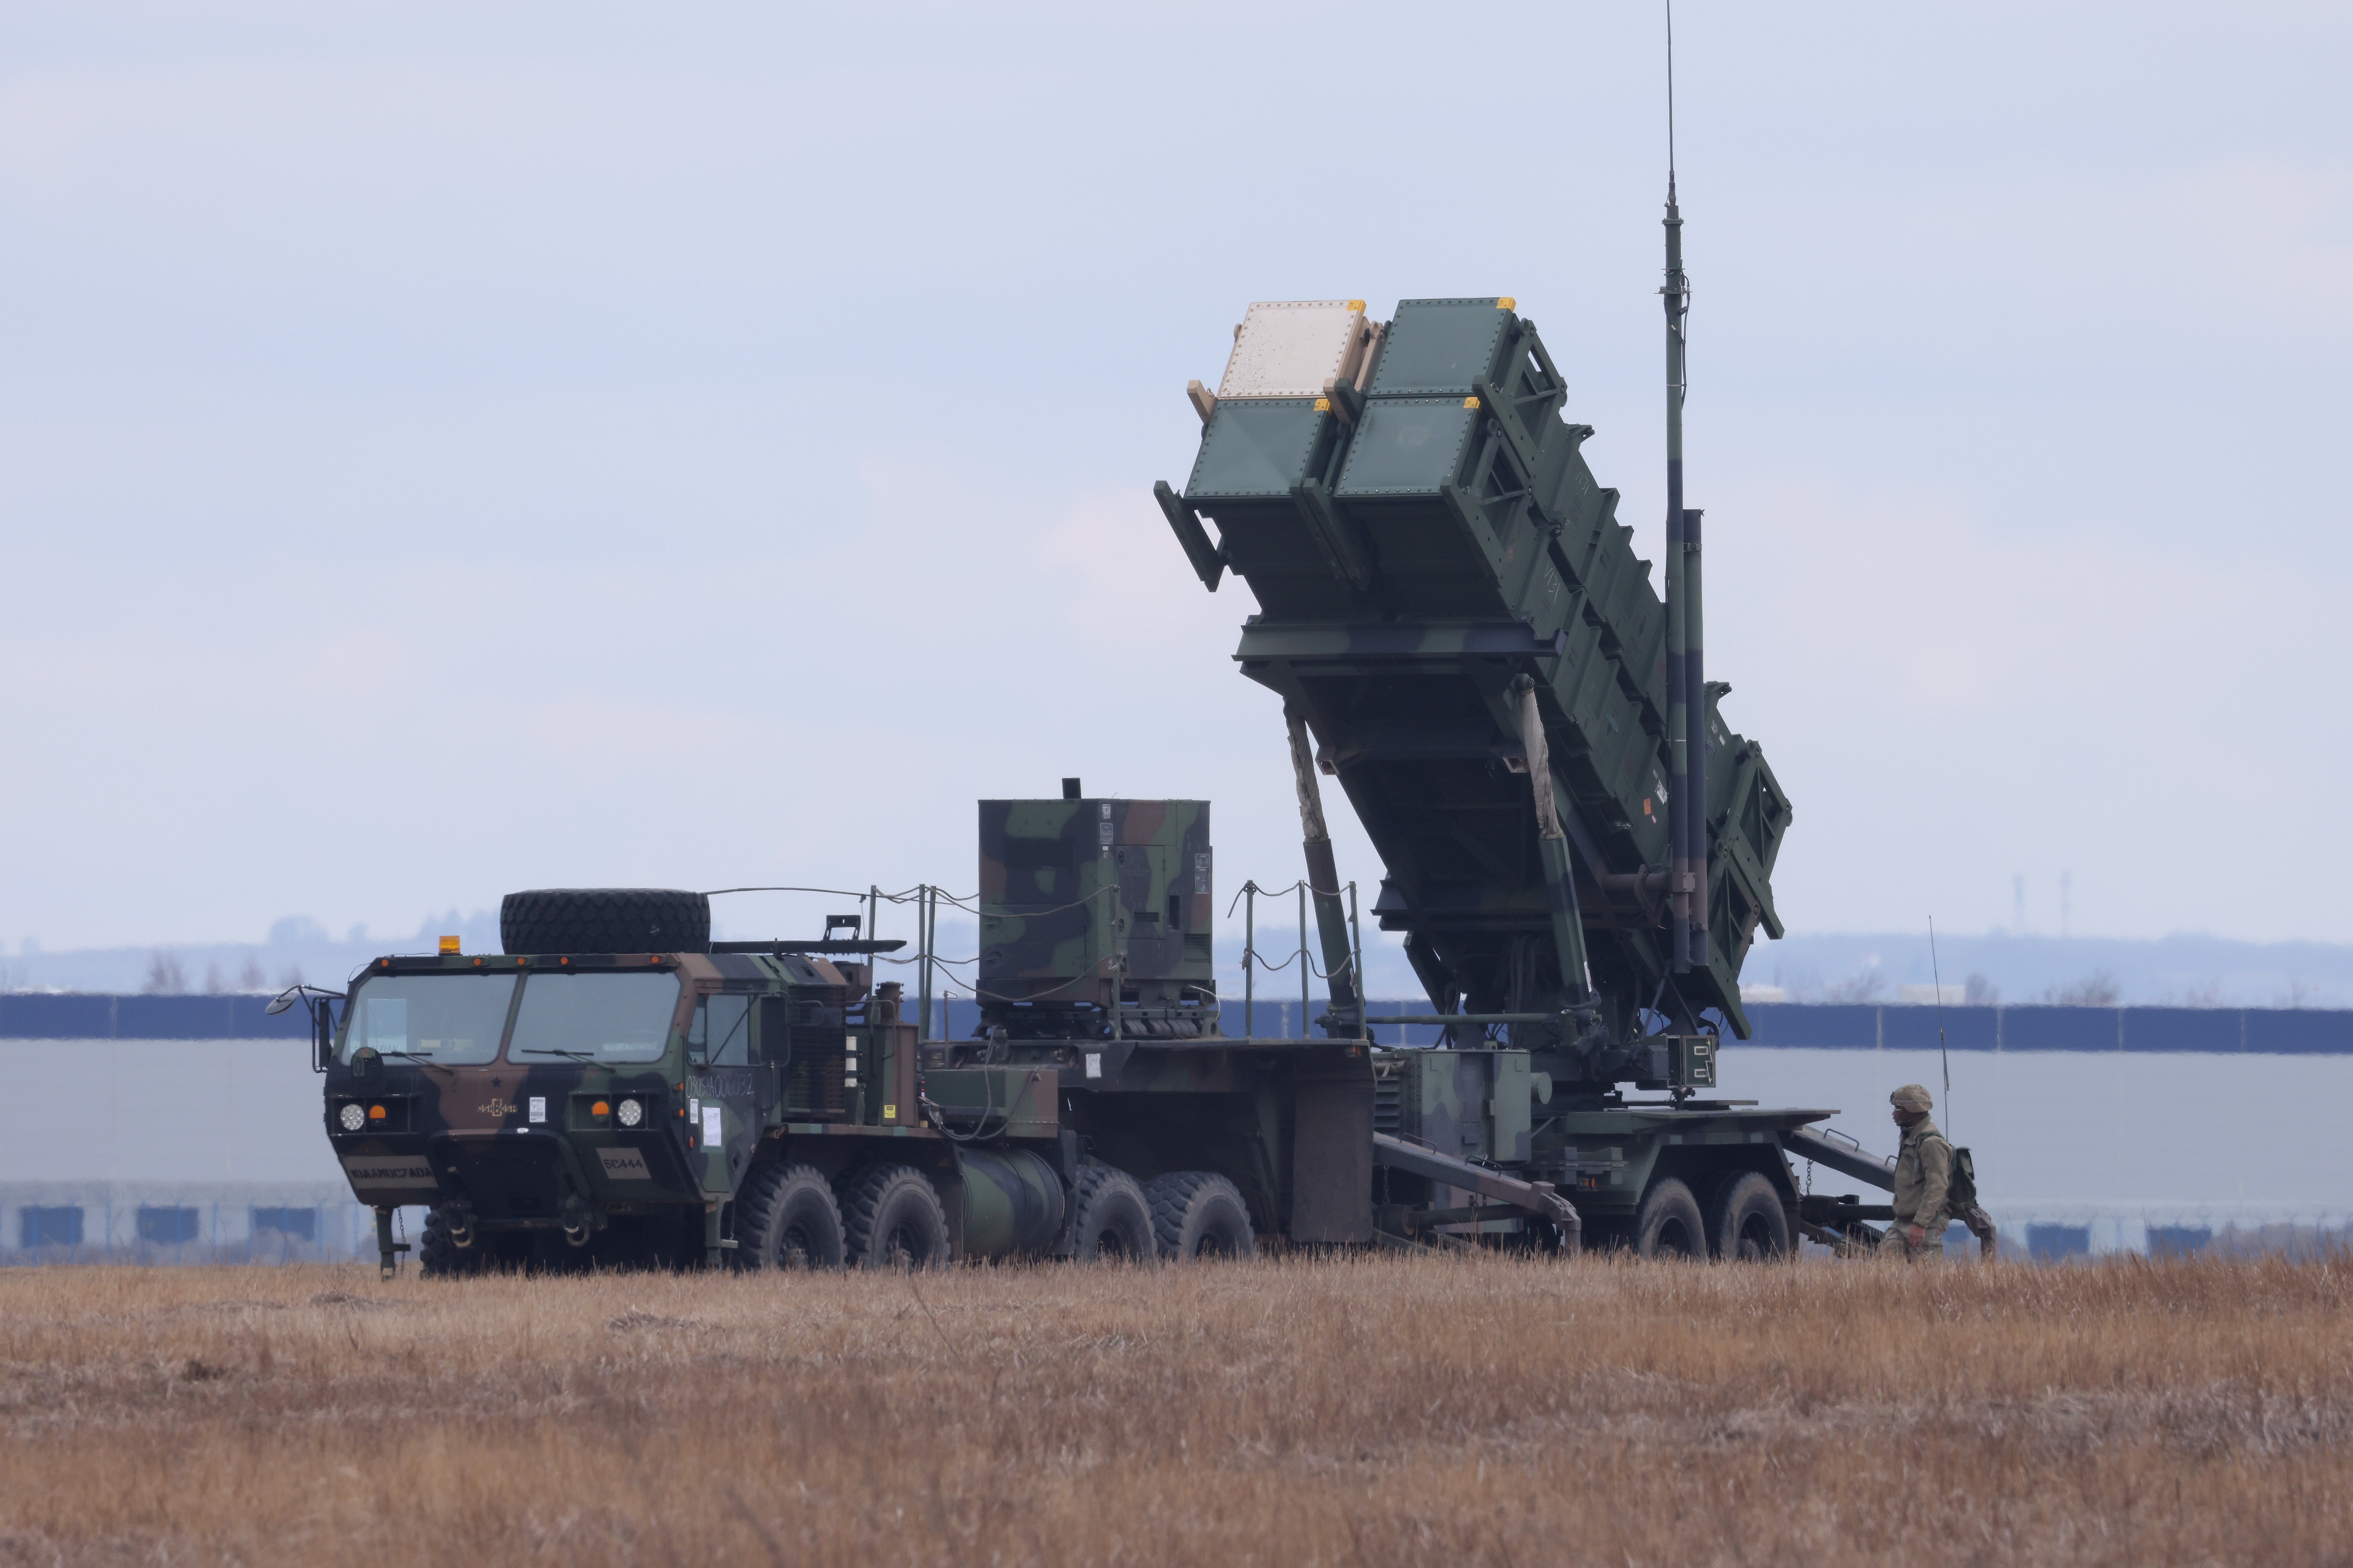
x,y
447,1018
596,1017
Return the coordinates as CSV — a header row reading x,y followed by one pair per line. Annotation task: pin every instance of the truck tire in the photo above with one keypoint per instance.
x,y
605,919
1668,1224
1200,1214
789,1219
891,1219
440,1258
1110,1218
1745,1223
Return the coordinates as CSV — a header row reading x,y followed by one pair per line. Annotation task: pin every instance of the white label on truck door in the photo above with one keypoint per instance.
x,y
711,1135
1094,1064
539,1108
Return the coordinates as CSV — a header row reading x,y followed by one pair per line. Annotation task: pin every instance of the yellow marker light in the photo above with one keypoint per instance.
x,y
1470,403
1356,304
449,946
1507,303
375,1113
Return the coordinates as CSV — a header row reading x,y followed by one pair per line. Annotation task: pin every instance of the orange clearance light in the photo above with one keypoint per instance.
x,y
375,1113
600,1109
449,945
563,960
477,963
520,962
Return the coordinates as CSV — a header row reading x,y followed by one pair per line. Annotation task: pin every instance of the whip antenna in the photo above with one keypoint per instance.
x,y
1937,974
1671,100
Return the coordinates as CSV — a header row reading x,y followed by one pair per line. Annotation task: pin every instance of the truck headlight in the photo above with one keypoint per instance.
x,y
631,1113
352,1118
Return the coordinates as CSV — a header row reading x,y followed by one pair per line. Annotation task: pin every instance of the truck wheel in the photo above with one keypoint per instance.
x,y
891,1219
605,919
1748,1224
1200,1214
1668,1223
1111,1219
440,1258
789,1220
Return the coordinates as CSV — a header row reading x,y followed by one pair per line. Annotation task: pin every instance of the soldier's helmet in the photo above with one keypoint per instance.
x,y
1911,1097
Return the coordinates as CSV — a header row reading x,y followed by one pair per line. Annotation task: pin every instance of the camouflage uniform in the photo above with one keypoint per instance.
x,y
1924,1176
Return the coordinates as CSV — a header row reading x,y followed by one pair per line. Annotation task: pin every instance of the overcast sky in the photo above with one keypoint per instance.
x,y
443,453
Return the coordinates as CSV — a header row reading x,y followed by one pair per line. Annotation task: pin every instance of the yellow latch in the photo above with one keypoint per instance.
x,y
1470,403
890,1113
1507,303
1322,405
1356,305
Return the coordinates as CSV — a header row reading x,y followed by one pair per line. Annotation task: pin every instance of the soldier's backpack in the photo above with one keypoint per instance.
x,y
1962,1193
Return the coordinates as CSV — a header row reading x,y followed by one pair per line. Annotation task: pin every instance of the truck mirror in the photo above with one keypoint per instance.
x,y
322,1034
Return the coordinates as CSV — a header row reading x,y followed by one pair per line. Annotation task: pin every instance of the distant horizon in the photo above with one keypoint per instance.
x,y
1998,967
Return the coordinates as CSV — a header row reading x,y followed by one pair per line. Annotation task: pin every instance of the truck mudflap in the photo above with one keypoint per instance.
x,y
1535,1198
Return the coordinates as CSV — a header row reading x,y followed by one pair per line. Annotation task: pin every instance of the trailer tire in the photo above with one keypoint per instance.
x,y
439,1256
1110,1219
789,1219
1668,1224
1200,1214
1747,1222
891,1219
605,919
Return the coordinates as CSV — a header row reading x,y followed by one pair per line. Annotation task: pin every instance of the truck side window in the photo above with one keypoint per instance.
x,y
776,1031
730,1030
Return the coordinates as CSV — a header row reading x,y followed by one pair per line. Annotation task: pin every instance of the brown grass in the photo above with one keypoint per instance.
x,y
1294,1413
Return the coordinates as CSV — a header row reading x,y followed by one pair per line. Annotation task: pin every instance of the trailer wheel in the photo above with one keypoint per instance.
x,y
1748,1224
1200,1214
605,919
1111,1219
891,1219
789,1219
439,1256
1668,1224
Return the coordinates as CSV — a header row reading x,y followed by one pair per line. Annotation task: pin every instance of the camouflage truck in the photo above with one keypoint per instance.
x,y
617,1088
1577,849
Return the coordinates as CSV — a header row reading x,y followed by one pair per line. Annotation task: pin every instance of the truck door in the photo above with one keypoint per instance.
x,y
723,1103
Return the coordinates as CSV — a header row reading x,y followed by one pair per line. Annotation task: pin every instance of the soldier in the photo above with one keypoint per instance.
x,y
1924,1177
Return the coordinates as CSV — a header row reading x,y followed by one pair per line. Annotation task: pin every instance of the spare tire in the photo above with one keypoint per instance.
x,y
605,919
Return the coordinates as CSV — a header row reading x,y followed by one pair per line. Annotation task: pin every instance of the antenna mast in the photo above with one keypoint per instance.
x,y
1686,680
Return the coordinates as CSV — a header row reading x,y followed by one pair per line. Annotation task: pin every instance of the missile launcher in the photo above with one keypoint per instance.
x,y
1450,606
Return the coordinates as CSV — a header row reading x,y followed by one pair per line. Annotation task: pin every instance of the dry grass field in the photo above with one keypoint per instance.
x,y
1290,1412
